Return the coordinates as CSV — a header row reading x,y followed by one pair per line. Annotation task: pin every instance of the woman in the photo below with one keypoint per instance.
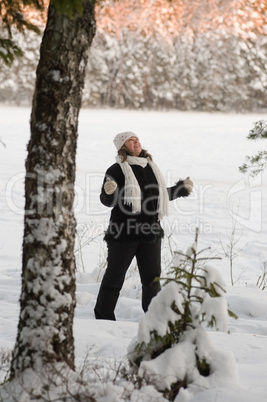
x,y
136,190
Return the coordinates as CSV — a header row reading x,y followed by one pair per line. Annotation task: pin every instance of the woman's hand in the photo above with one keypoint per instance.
x,y
188,184
110,186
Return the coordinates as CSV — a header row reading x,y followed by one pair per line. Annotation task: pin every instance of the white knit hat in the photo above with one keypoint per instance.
x,y
120,138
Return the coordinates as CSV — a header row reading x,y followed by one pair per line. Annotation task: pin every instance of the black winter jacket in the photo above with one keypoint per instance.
x,y
125,225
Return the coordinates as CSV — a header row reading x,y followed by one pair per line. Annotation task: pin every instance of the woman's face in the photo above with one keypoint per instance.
x,y
133,145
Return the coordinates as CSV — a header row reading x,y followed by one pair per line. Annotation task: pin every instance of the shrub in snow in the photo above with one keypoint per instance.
x,y
172,348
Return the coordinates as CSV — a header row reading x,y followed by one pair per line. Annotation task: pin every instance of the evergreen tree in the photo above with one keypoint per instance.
x,y
12,14
172,348
258,163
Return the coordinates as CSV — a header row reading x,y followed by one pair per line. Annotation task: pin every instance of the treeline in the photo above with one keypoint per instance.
x,y
207,71
210,71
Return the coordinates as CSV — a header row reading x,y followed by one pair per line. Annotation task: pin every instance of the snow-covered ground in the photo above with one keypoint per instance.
x,y
208,148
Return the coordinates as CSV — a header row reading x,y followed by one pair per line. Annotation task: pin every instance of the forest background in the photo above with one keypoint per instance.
x,y
157,54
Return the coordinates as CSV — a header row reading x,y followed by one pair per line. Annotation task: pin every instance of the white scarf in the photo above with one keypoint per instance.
x,y
132,192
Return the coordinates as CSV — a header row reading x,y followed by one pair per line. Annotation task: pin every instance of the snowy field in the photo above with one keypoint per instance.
x,y
208,148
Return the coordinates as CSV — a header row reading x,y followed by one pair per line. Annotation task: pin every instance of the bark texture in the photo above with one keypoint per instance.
x,y
45,329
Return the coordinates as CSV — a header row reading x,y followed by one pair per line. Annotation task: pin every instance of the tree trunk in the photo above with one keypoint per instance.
x,y
45,329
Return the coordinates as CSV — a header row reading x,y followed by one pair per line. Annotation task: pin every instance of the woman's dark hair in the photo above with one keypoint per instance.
x,y
124,152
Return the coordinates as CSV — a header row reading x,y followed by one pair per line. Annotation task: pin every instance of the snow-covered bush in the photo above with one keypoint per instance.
x,y
96,379
172,348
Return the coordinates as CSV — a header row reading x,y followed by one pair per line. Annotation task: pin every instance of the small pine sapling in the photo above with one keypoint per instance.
x,y
172,348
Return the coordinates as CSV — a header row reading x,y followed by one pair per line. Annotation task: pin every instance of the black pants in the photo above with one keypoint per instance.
x,y
120,255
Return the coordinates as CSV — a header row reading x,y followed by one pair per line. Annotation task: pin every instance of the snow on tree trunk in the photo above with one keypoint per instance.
x,y
47,300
